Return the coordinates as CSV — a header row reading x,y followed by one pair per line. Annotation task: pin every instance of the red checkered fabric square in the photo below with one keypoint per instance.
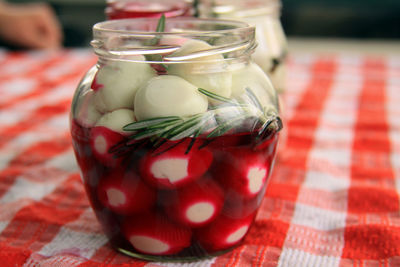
x,y
333,198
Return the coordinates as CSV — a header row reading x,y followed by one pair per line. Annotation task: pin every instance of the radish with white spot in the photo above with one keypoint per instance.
x,y
242,171
101,141
123,192
195,205
173,168
156,235
169,95
117,119
223,232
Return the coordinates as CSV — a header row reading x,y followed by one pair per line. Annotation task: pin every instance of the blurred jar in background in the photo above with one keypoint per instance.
x,y
265,15
121,9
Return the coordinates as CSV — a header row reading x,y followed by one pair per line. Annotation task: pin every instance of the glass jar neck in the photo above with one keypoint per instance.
x,y
137,40
239,8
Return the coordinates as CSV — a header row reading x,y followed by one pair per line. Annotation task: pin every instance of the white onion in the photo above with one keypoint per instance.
x,y
200,74
168,95
117,119
253,77
86,112
121,80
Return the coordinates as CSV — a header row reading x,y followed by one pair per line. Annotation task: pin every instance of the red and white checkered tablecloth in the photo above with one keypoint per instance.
x,y
333,198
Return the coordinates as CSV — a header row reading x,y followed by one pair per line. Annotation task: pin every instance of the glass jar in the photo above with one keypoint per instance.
x,y
175,134
122,9
265,16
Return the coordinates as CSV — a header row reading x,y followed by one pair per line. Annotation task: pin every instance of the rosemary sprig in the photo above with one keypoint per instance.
x,y
215,122
160,28
183,126
152,42
192,128
266,116
175,128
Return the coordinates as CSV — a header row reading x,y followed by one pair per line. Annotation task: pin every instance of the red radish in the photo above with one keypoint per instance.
x,y
237,207
109,222
89,170
155,234
195,205
84,163
101,141
85,111
231,140
173,168
223,233
78,132
80,142
124,193
242,170
268,145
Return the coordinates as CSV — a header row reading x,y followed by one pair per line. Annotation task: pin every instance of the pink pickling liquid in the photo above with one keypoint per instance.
x,y
228,155
144,9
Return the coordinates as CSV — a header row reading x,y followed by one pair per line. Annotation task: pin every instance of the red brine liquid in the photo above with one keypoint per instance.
x,y
146,9
177,199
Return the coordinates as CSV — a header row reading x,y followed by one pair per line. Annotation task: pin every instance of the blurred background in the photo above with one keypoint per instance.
x,y
355,19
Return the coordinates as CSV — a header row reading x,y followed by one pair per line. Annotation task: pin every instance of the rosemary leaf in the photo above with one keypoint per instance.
x,y
161,24
182,126
160,28
189,130
194,128
165,124
196,134
143,124
149,132
190,145
118,146
216,97
159,142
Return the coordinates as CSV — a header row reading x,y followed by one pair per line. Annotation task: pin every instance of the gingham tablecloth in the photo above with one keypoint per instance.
x,y
333,198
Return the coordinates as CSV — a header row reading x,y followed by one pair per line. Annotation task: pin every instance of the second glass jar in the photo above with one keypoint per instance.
x,y
271,52
175,133
123,9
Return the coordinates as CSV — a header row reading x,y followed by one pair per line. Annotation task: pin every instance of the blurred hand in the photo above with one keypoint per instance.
x,y
32,26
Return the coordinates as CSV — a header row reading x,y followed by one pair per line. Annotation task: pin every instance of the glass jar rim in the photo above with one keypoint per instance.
x,y
106,26
125,38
